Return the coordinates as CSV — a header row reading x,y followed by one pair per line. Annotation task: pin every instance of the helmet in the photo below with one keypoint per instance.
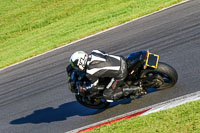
x,y
78,60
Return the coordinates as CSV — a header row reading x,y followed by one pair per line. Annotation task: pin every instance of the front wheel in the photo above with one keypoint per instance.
x,y
163,77
92,103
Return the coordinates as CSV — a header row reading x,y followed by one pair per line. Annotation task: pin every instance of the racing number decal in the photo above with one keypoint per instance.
x,y
152,60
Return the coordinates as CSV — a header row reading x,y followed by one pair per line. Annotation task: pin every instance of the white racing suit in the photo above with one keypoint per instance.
x,y
100,65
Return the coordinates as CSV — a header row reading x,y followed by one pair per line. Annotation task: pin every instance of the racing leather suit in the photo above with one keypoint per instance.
x,y
101,65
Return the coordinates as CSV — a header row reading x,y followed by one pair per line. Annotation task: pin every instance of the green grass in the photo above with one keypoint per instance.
x,y
31,27
181,119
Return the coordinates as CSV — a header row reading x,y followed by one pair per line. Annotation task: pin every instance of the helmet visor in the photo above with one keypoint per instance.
x,y
74,64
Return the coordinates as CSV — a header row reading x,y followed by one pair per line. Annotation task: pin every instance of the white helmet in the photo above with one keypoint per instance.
x,y
78,60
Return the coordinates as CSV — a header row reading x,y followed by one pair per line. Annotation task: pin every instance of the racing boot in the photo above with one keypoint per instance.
x,y
118,93
133,91
112,94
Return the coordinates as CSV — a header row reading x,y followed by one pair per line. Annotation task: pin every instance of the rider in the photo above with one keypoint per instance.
x,y
97,65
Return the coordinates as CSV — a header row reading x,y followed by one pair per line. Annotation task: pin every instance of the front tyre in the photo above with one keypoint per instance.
x,y
164,76
92,103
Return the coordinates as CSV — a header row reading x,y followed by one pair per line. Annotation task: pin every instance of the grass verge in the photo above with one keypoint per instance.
x,y
31,27
181,119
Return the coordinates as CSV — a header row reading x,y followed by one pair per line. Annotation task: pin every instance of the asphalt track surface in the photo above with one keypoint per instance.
x,y
34,95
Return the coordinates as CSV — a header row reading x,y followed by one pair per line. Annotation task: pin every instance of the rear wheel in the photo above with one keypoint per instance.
x,y
163,77
92,103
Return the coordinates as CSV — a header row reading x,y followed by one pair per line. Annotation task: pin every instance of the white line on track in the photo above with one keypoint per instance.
x,y
153,108
95,34
174,102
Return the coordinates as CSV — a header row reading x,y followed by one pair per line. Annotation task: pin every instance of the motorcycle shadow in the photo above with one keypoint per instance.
x,y
50,114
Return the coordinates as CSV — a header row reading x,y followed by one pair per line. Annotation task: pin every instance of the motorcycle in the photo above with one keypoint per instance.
x,y
144,70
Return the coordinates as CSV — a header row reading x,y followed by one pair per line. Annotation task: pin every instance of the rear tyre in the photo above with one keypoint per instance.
x,y
166,76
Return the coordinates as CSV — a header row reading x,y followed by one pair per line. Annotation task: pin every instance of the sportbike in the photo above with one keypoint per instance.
x,y
144,71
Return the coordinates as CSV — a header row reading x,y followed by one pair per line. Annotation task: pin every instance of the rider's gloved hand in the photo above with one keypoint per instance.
x,y
82,89
85,88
